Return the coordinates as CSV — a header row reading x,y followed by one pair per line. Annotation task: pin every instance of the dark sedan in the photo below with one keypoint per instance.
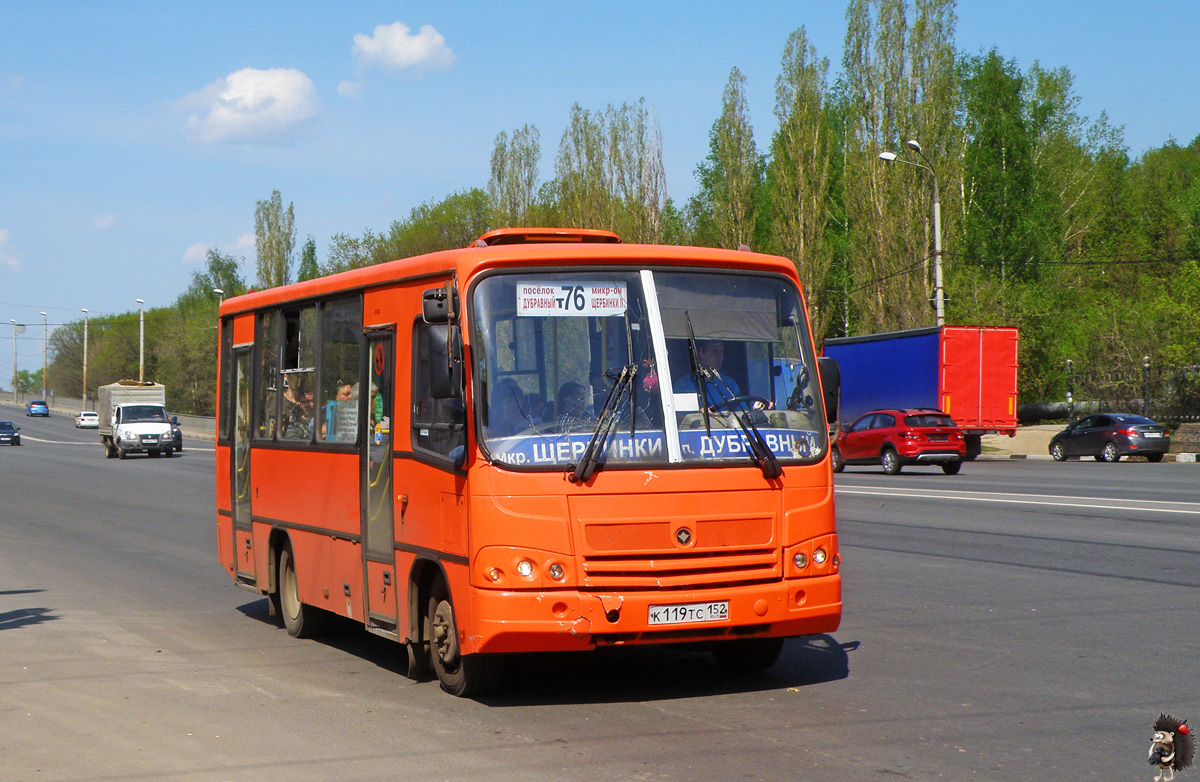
x,y
10,434
1109,436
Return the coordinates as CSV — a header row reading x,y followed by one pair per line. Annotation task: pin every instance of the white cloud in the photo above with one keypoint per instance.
x,y
6,257
254,105
395,48
351,89
104,222
245,241
195,254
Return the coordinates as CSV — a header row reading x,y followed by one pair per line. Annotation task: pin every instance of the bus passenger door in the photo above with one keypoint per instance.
x,y
243,541
378,523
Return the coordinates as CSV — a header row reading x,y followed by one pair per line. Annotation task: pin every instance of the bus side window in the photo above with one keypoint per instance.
x,y
266,410
438,424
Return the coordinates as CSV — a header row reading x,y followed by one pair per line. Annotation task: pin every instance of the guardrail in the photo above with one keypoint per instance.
x,y
199,426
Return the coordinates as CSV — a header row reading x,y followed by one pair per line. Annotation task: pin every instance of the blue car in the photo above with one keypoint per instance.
x,y
38,407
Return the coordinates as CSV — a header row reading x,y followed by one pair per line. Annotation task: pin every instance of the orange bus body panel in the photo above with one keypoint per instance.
x,y
612,534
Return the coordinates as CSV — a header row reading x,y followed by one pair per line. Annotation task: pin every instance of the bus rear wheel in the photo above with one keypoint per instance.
x,y
461,675
301,620
747,655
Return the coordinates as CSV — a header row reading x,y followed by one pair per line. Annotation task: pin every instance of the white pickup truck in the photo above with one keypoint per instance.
x,y
133,419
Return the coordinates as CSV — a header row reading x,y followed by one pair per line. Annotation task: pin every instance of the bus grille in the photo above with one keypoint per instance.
x,y
691,570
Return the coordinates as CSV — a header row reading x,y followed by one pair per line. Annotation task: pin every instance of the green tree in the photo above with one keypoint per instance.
x,y
309,268
1004,229
455,221
221,272
899,82
274,240
801,171
731,179
513,184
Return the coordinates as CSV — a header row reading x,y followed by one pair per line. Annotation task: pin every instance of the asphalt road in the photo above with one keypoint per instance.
x,y
1020,620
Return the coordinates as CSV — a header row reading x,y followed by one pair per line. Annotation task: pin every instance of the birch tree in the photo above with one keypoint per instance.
x,y
801,168
274,240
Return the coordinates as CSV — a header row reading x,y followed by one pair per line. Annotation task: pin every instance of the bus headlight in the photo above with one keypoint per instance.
x,y
512,567
800,560
819,556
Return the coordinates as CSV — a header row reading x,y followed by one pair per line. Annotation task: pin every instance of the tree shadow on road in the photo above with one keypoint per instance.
x,y
24,617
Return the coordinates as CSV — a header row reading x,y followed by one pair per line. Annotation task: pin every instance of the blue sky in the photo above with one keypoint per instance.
x,y
118,168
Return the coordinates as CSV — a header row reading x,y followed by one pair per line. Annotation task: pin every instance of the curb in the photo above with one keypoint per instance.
x,y
1170,457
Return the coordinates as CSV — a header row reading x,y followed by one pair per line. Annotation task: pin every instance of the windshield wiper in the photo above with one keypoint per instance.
x,y
590,458
700,373
760,453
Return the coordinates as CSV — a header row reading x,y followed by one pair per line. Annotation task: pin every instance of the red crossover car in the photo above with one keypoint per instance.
x,y
895,438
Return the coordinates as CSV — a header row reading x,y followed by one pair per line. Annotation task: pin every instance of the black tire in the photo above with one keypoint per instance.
x,y
1058,452
836,460
747,655
1110,453
1150,457
461,675
121,452
300,619
167,453
951,468
890,461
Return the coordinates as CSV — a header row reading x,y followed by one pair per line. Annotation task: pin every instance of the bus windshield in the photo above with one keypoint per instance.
x,y
643,368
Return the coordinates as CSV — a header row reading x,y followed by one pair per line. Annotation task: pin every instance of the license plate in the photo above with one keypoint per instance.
x,y
939,438
690,612
1151,434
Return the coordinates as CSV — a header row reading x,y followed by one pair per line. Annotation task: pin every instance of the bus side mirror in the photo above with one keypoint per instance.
x,y
438,305
831,386
445,363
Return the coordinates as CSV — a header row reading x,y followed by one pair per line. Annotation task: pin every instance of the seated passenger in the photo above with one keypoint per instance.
x,y
509,411
575,406
299,422
711,355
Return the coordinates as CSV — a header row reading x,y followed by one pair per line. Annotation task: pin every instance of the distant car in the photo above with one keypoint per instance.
x,y
10,433
87,419
1109,436
38,407
176,433
894,438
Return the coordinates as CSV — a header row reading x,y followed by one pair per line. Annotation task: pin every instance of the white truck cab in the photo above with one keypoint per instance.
x,y
133,419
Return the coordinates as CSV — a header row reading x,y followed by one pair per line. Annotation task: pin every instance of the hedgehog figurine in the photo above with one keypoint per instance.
x,y
1172,747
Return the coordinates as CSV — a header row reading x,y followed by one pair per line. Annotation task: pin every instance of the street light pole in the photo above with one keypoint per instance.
x,y
141,341
14,330
938,290
85,325
45,334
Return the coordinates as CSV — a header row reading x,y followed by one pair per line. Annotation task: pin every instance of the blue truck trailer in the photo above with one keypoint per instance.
x,y
968,372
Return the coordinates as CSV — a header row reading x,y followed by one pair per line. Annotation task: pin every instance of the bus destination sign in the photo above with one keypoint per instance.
x,y
554,300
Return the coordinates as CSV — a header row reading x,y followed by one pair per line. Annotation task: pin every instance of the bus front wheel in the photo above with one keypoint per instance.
x,y
462,675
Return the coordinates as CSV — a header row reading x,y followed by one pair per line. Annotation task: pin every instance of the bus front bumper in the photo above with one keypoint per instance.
x,y
567,620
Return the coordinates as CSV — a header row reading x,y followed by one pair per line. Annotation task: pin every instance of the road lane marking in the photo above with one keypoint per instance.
x,y
75,442
1089,503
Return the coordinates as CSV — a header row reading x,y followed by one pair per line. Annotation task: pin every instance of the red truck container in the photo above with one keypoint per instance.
x,y
969,372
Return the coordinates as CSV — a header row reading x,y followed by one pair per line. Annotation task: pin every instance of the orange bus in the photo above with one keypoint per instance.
x,y
548,441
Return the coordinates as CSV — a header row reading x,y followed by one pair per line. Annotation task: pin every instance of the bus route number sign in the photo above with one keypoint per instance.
x,y
585,299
